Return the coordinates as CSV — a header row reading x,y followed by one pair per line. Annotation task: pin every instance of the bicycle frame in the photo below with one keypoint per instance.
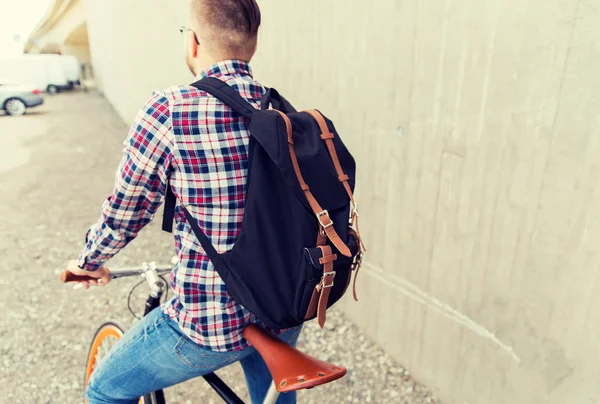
x,y
150,273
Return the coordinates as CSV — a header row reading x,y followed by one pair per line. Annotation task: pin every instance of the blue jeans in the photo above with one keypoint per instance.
x,y
155,354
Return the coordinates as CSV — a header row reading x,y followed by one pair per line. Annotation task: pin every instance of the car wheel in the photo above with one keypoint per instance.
x,y
52,89
15,107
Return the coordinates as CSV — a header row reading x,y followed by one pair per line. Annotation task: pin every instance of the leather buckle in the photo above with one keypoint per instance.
x,y
324,213
326,274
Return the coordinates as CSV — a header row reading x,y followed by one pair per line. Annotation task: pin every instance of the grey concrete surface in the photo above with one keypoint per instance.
x,y
57,167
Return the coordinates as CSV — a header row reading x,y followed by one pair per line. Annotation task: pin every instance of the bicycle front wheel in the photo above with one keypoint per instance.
x,y
103,340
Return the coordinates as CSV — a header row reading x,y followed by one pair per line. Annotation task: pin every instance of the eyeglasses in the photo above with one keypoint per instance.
x,y
183,28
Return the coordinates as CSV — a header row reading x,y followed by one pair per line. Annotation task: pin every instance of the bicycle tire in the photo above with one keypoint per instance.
x,y
104,332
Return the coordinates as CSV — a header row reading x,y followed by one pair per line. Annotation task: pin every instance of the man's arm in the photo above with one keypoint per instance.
x,y
139,185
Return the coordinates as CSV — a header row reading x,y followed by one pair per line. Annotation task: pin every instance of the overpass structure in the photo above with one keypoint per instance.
x,y
62,30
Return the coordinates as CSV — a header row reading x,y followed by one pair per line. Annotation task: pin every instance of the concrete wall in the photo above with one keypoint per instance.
x,y
477,134
134,56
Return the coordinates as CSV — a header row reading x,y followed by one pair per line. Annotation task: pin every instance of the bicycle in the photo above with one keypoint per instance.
x,y
290,368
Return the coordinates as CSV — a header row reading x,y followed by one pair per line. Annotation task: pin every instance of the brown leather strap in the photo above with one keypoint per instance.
x,y
322,308
322,215
288,128
355,265
326,283
327,259
320,296
336,240
354,228
356,269
321,238
327,136
314,299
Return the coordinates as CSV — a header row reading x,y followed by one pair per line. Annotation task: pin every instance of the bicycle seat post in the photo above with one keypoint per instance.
x,y
272,395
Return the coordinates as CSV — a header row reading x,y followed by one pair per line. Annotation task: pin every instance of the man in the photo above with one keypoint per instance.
x,y
190,141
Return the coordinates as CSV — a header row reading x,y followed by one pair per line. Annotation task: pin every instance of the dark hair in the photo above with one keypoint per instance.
x,y
232,24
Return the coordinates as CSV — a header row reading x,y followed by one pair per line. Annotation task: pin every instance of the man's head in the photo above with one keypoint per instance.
x,y
221,30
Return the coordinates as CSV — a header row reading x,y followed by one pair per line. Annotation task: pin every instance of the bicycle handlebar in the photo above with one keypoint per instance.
x,y
67,276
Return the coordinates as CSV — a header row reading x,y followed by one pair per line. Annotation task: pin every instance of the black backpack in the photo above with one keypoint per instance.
x,y
299,241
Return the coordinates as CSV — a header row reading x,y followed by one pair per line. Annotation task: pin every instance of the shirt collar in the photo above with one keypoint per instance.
x,y
226,68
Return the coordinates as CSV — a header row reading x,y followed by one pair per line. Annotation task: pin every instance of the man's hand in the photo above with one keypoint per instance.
x,y
101,275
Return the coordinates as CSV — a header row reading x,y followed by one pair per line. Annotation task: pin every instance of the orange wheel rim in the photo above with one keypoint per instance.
x,y
107,332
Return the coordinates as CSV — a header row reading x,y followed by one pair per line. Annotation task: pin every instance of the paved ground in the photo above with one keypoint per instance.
x,y
56,167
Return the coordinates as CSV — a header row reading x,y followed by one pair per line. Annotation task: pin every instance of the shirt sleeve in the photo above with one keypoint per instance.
x,y
139,185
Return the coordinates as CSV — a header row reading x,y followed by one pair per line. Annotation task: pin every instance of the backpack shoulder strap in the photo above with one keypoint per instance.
x,y
273,99
225,93
169,210
167,224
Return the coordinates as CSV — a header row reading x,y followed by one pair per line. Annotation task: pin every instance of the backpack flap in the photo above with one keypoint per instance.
x,y
315,162
269,130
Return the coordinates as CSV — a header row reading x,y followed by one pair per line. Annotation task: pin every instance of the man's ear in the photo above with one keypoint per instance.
x,y
192,45
255,49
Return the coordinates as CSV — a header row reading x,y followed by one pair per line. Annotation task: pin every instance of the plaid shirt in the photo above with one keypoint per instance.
x,y
200,146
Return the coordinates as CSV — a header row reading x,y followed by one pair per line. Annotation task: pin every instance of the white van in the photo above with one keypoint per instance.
x,y
72,70
45,72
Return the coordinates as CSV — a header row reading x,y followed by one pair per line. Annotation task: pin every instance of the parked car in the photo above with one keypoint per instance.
x,y
45,72
72,70
16,98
